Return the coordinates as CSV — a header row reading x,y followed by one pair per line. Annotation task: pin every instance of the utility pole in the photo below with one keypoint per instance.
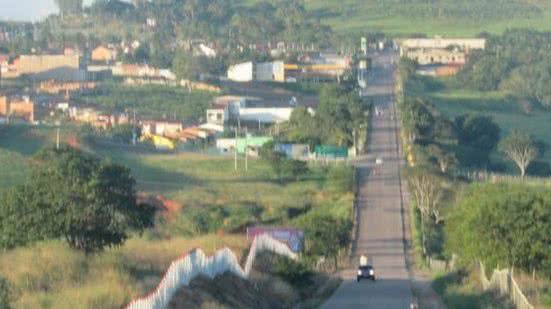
x,y
246,150
355,142
57,139
235,151
134,130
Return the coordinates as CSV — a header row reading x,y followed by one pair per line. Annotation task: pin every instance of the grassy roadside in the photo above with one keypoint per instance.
x,y
463,290
50,275
507,112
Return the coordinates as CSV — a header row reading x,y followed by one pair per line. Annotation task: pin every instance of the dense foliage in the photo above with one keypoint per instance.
x,y
151,101
282,166
516,62
326,236
436,140
503,224
5,294
69,6
340,113
90,203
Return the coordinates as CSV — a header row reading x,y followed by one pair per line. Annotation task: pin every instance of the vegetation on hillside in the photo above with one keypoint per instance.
x,y
515,62
476,222
505,225
339,106
151,101
90,203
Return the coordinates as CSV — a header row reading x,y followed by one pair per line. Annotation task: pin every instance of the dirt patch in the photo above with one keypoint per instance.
x,y
168,208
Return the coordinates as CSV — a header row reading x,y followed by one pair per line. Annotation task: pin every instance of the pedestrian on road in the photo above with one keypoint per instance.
x,y
363,260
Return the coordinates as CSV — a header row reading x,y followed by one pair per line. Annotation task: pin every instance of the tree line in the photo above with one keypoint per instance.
x,y
449,9
341,114
516,62
444,202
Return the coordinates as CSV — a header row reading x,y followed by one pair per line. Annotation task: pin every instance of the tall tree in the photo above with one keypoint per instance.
x,y
480,135
426,189
90,203
503,224
326,236
521,149
69,7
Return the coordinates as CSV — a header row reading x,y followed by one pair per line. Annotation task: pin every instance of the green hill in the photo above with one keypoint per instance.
x,y
434,17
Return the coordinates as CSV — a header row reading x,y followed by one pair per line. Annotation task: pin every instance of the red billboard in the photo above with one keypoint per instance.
x,y
293,237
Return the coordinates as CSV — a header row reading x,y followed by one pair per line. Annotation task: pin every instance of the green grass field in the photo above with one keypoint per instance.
x,y
353,17
18,144
368,16
198,179
50,275
191,179
506,112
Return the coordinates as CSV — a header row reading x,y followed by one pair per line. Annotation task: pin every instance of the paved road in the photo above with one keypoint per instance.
x,y
380,218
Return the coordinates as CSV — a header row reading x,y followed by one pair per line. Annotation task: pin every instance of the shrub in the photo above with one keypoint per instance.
x,y
295,272
340,179
5,294
295,168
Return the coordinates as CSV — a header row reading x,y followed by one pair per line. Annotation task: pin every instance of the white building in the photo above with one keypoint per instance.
x,y
243,72
441,43
227,108
266,114
432,56
250,71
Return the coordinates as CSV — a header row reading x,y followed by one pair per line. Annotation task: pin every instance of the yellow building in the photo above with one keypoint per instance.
x,y
46,67
23,108
33,64
104,54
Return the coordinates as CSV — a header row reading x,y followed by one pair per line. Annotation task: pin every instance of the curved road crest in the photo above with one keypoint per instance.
x,y
380,217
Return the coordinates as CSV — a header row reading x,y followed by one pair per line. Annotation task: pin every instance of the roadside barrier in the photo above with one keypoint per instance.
x,y
184,269
503,281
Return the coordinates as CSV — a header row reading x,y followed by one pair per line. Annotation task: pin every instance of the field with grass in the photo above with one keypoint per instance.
x,y
463,290
19,143
50,275
507,112
192,179
445,18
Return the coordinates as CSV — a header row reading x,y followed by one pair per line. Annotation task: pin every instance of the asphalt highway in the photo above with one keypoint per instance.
x,y
381,230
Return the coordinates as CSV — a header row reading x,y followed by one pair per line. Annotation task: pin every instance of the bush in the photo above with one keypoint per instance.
x,y
340,179
503,224
295,168
295,272
5,294
195,221
326,235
